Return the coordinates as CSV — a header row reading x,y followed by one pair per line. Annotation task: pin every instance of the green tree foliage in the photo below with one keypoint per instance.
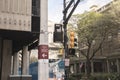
x,y
115,10
93,29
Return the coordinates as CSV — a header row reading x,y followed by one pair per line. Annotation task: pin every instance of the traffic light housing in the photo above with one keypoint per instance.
x,y
72,40
71,43
58,33
71,51
75,42
61,52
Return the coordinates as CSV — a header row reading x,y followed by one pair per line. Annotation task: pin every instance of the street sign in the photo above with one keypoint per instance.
x,y
61,64
67,62
43,52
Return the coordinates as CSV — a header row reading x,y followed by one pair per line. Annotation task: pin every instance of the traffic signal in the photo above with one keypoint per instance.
x,y
75,42
58,33
71,43
71,51
61,51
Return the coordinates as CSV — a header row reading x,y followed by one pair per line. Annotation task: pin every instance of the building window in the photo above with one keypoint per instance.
x,y
98,67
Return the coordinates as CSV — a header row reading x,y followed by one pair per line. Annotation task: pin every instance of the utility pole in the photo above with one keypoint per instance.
x,y
43,61
65,22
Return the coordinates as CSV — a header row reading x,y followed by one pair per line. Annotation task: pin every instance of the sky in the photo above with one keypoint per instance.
x,y
55,8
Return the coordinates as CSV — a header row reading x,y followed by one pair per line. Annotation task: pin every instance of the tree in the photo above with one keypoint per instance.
x,y
93,30
115,10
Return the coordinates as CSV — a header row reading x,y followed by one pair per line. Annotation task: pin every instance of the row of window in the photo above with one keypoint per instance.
x,y
16,6
11,21
97,67
20,7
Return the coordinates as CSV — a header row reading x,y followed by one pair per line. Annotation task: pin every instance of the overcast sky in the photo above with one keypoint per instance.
x,y
55,8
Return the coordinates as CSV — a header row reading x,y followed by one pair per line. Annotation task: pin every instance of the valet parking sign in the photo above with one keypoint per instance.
x,y
43,52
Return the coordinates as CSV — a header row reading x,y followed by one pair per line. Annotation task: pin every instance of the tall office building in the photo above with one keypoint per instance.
x,y
19,30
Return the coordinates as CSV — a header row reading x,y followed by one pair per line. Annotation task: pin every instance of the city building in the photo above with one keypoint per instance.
x,y
55,48
19,31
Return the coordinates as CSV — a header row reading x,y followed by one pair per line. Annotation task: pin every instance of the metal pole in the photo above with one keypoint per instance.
x,y
65,35
65,29
65,22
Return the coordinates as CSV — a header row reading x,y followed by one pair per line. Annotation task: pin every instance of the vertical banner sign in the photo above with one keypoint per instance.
x,y
43,52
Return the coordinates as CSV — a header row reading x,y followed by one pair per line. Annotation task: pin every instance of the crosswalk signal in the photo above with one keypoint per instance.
x,y
58,33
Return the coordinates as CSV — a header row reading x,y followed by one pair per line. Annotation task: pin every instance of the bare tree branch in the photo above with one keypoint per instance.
x,y
89,47
95,51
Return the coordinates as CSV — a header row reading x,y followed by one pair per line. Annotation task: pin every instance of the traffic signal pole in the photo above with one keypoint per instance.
x,y
65,36
65,22
65,29
66,19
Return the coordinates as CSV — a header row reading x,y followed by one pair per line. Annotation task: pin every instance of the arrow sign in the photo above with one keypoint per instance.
x,y
43,52
44,55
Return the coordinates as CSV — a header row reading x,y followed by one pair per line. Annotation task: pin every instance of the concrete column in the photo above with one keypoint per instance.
x,y
6,59
75,70
25,61
43,64
15,63
92,67
0,56
118,66
12,65
85,68
108,67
